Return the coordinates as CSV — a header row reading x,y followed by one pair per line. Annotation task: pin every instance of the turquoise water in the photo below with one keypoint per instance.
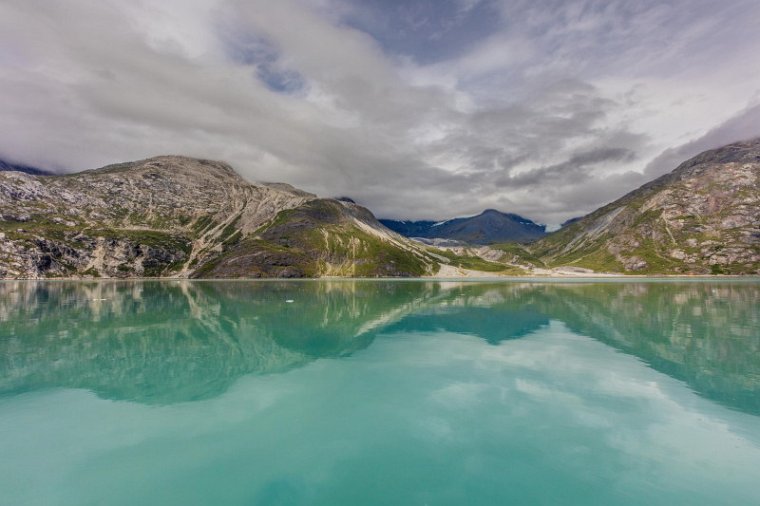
x,y
392,393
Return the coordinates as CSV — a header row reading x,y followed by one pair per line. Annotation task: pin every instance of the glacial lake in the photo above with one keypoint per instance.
x,y
380,393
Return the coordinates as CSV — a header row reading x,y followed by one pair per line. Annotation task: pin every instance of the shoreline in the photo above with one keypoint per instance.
x,y
591,277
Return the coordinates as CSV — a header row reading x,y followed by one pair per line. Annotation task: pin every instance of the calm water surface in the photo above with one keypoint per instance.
x,y
389,393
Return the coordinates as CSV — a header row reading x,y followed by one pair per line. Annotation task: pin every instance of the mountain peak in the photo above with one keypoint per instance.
x,y
738,152
170,164
489,227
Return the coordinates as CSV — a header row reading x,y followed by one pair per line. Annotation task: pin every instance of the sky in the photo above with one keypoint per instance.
x,y
417,109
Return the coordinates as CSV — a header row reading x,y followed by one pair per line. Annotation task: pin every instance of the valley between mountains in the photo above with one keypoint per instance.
x,y
173,216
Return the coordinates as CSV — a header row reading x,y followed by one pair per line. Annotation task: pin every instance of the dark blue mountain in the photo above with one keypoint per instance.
x,y
5,166
489,227
410,228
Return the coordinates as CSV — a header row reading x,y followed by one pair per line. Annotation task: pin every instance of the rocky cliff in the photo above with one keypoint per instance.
x,y
702,218
180,217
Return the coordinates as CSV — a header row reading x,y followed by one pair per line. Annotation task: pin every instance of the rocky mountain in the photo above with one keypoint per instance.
x,y
489,227
322,237
184,217
702,218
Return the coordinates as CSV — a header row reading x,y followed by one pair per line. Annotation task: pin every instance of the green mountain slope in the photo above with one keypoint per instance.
x,y
704,217
321,238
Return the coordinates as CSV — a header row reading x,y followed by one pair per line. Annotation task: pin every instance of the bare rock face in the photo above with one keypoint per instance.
x,y
702,218
163,216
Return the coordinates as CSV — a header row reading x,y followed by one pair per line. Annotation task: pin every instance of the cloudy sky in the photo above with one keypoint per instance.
x,y
415,108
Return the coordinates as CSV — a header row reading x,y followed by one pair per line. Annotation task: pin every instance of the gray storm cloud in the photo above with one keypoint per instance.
x,y
548,109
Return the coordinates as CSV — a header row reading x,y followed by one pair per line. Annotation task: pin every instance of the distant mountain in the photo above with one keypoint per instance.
x,y
174,216
704,217
489,227
6,166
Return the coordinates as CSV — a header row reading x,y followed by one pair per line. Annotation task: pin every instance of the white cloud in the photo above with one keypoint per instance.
x,y
293,91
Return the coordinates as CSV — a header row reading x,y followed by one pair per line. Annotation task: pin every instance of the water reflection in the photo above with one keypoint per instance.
x,y
706,334
163,342
493,312
167,342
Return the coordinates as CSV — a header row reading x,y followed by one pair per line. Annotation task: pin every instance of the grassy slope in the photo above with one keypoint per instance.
x,y
478,264
318,238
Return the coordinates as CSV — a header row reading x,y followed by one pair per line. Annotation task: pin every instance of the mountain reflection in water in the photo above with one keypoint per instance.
x,y
162,342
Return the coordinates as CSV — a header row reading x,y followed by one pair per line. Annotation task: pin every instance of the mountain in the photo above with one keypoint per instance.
x,y
704,217
6,166
489,227
182,217
174,216
322,237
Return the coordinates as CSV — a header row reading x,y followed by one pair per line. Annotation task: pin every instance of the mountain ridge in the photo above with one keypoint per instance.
x,y
489,227
700,218
174,216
